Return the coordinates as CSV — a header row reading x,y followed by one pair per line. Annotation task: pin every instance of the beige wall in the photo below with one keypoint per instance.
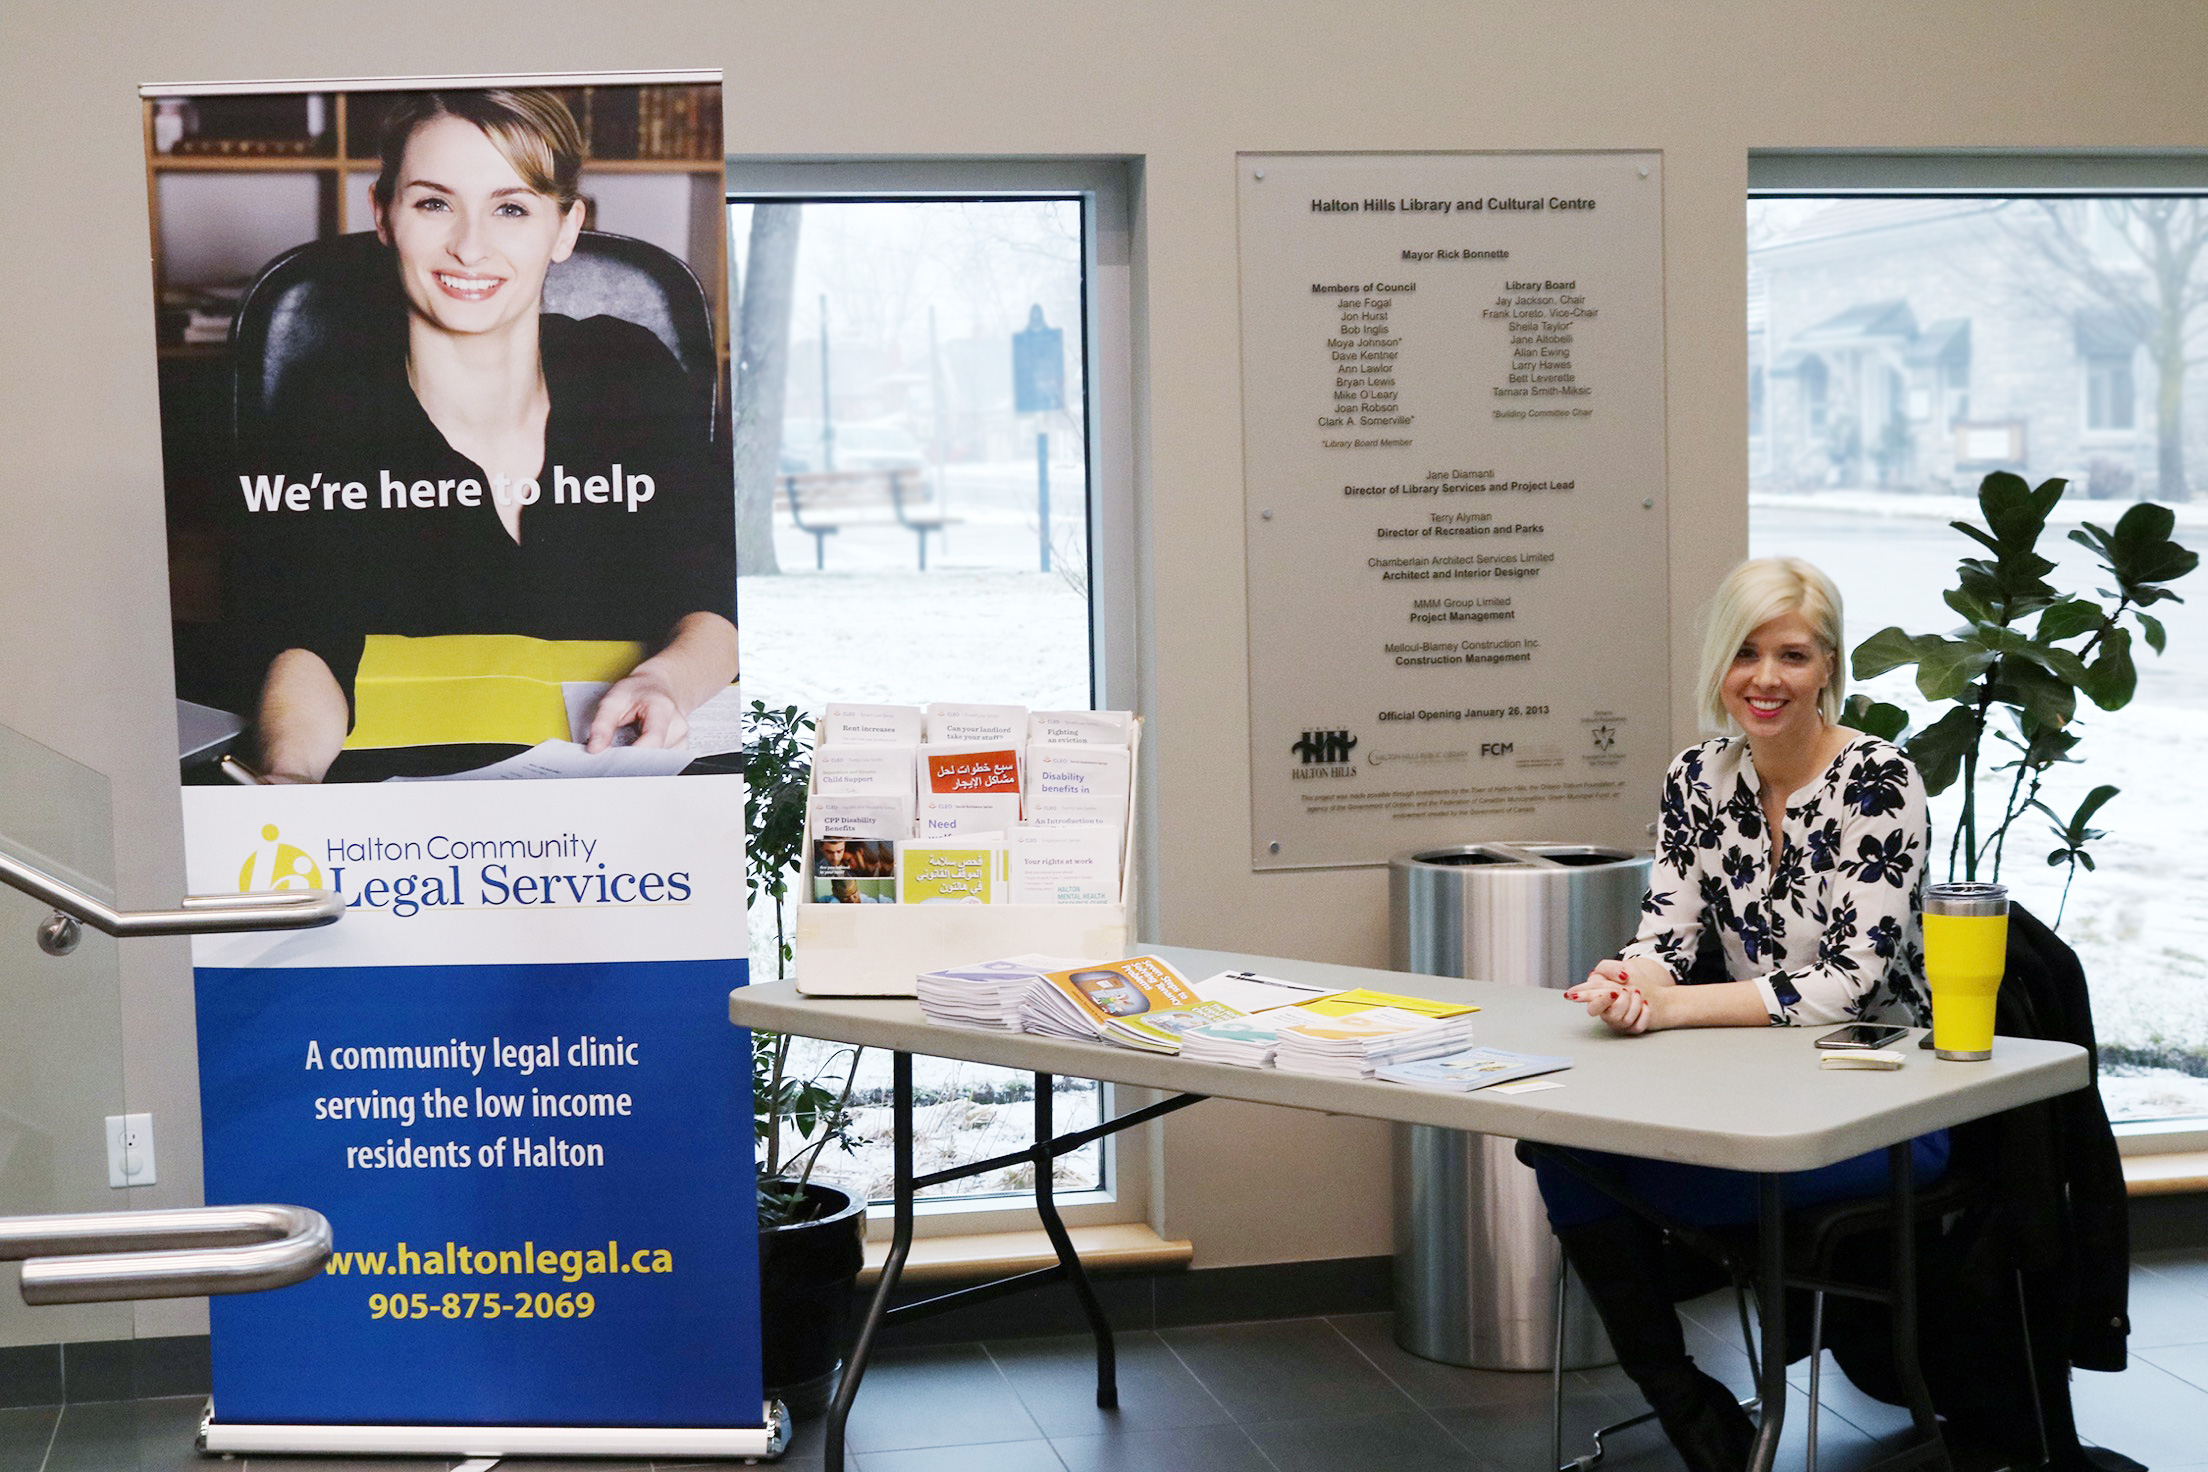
x,y
84,662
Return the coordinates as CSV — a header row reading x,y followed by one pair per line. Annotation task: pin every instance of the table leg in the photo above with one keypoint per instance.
x,y
900,1244
1771,1309
1046,1206
1901,1177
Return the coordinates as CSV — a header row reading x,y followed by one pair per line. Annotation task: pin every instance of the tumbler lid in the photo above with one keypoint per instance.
x,y
1969,900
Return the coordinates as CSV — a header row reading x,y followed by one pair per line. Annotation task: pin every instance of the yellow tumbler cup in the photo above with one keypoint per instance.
x,y
1966,948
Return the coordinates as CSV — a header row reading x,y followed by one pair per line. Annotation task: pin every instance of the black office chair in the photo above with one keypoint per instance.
x,y
2027,1223
338,298
1819,1241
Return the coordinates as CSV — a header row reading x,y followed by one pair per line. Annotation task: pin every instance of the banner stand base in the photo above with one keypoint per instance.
x,y
655,1442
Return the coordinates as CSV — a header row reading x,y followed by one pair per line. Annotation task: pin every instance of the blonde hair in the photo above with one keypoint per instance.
x,y
1754,593
530,127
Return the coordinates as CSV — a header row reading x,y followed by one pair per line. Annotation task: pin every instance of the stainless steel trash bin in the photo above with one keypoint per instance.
x,y
1475,1265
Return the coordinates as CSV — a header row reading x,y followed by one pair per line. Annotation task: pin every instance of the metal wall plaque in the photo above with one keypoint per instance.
x,y
1453,418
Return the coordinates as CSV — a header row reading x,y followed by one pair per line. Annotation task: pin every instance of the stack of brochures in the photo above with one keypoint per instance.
x,y
1407,1023
1138,1003
1236,1017
986,994
969,804
1144,1003
1245,1042
1360,1031
1469,1069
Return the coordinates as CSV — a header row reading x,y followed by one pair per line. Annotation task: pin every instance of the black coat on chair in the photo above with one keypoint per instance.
x,y
2042,1256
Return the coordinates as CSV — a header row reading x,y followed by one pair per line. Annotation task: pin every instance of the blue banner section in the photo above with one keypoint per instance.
x,y
536,1178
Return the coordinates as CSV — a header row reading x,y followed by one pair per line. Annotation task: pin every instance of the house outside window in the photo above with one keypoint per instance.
x,y
2023,323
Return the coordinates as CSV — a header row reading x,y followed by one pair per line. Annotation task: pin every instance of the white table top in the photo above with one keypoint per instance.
x,y
1743,1098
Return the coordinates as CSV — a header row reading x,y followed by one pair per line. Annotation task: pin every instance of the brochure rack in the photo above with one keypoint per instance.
x,y
877,950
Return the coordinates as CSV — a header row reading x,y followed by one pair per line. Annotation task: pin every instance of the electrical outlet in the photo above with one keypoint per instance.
x,y
130,1150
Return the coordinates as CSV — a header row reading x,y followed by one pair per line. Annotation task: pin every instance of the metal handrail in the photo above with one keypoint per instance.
x,y
196,914
185,1252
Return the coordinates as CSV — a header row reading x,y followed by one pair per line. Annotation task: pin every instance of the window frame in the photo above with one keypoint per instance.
x,y
1108,188
2005,174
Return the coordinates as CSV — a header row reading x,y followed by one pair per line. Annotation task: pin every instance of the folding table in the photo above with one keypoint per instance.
x,y
1747,1099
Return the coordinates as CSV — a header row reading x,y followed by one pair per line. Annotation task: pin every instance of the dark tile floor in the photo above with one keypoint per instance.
x,y
1290,1395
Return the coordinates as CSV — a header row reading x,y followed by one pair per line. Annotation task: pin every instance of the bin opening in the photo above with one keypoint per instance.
x,y
1586,860
1461,859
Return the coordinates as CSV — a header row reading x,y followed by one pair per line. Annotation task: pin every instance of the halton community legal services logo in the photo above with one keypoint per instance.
x,y
278,865
1324,753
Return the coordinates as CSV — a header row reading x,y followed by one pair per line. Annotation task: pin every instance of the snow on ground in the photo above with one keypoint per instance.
x,y
953,1130
2074,509
983,623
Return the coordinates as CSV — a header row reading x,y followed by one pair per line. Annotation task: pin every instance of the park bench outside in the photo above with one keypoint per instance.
x,y
823,503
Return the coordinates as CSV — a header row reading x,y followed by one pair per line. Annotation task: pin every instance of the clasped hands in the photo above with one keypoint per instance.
x,y
1629,995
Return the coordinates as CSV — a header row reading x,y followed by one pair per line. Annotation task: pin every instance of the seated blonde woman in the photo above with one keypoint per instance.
x,y
1799,846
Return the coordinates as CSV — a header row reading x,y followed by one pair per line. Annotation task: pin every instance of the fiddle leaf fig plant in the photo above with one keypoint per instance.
x,y
813,1101
2014,673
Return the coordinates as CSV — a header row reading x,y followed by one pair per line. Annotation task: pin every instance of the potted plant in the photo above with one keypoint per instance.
x,y
2026,653
811,1235
2008,688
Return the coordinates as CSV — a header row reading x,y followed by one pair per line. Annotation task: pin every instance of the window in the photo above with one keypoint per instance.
x,y
986,558
2023,304
2108,393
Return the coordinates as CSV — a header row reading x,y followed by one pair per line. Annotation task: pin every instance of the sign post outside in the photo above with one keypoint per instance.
x,y
1039,387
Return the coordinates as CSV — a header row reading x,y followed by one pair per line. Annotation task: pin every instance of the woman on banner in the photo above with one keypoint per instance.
x,y
1798,847
524,472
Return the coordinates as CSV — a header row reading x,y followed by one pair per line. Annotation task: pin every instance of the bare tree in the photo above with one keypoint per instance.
x,y
762,377
2141,269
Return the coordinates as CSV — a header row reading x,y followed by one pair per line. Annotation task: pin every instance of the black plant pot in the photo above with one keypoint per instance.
x,y
806,1272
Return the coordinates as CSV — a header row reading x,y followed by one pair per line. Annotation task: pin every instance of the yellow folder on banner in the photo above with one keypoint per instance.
x,y
475,688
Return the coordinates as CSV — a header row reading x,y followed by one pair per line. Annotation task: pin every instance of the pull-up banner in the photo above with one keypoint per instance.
x,y
500,1078
451,530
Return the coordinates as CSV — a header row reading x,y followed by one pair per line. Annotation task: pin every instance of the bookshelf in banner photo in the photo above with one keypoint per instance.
x,y
940,833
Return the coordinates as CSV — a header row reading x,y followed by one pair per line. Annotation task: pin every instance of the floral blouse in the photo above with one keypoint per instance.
x,y
1832,934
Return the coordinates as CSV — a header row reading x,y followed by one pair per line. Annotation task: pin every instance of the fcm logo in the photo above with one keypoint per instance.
x,y
1324,748
1496,748
278,865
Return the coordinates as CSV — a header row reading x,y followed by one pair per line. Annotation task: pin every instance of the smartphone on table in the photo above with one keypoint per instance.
x,y
1863,1035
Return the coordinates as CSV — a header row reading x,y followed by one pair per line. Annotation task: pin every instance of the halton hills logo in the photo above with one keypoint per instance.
x,y
1323,754
1324,748
278,865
